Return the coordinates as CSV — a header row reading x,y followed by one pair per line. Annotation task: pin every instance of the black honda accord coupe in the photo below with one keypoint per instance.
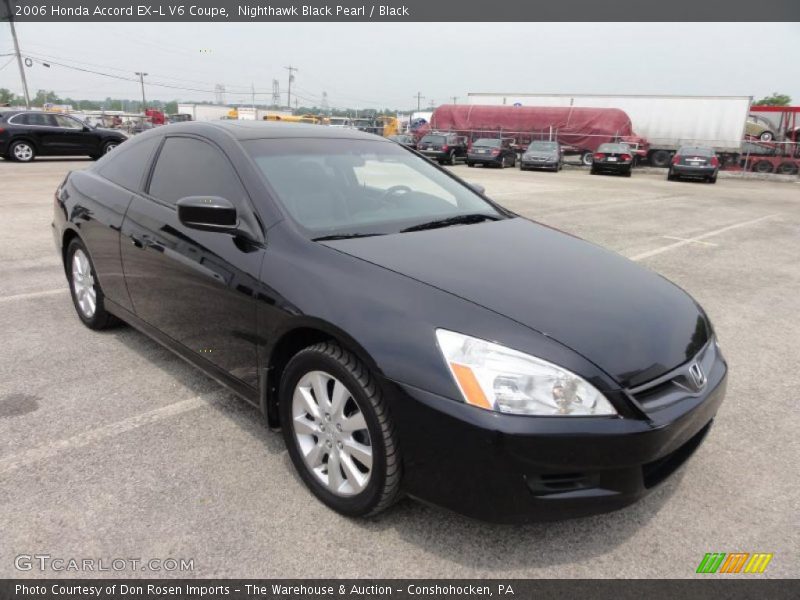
x,y
407,334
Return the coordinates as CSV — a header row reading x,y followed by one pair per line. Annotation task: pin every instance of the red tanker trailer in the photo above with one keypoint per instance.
x,y
579,130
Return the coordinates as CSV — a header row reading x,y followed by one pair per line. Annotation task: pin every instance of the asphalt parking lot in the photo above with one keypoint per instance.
x,y
111,447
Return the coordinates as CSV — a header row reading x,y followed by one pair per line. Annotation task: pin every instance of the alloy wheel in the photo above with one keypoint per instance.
x,y
331,433
83,284
109,147
23,152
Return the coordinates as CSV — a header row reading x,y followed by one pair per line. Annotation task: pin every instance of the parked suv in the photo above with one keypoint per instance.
x,y
496,152
27,134
445,148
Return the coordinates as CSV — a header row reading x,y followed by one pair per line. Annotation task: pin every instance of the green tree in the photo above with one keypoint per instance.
x,y
775,99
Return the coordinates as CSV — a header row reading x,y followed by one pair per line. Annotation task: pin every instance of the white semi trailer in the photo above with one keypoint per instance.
x,y
205,112
667,122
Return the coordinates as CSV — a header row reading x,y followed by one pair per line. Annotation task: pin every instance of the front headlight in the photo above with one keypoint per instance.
x,y
497,378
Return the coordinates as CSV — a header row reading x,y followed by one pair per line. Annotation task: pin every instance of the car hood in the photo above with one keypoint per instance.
x,y
540,155
626,319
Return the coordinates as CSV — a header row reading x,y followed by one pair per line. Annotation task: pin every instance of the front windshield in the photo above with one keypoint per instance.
x,y
485,142
433,139
543,146
345,187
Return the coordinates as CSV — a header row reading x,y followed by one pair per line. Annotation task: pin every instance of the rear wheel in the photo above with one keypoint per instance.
x,y
338,431
787,168
763,166
22,151
712,179
660,158
592,171
767,136
587,158
629,172
470,164
452,158
87,296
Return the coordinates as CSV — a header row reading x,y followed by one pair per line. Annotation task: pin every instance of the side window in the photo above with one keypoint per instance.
x,y
190,167
40,119
43,120
67,123
126,166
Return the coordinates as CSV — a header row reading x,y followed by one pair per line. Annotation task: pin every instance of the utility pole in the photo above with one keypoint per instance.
x,y
291,70
419,98
454,99
19,56
141,82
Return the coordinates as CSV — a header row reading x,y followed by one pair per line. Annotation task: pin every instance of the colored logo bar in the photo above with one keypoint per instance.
x,y
735,562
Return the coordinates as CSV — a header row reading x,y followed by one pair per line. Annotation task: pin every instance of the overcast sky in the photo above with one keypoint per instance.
x,y
368,65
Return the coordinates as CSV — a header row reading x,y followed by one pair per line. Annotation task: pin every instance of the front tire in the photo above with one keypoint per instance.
x,y
338,431
452,160
22,151
87,297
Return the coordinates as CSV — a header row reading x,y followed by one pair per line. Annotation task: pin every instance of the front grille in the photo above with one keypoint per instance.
x,y
677,384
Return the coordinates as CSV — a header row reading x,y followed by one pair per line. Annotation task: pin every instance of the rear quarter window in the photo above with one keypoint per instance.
x,y
127,164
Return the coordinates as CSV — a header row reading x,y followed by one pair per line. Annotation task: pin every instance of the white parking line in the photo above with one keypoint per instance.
x,y
15,461
32,295
697,238
673,237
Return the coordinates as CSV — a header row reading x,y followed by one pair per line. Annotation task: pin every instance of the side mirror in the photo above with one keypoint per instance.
x,y
477,187
208,213
86,129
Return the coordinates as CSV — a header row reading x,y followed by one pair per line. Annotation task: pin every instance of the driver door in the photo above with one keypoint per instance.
x,y
196,287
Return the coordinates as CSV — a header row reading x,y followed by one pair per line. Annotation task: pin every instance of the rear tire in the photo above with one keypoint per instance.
x,y
763,166
712,179
660,158
629,172
22,151
592,171
452,158
367,480
587,158
87,297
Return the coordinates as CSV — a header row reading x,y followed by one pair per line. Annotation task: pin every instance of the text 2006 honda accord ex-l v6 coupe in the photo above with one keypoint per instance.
x,y
408,335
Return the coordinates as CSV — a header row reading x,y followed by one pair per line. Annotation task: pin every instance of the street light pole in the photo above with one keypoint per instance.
x,y
141,82
19,56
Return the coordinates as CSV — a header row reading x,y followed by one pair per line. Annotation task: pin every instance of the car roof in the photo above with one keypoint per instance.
x,y
255,130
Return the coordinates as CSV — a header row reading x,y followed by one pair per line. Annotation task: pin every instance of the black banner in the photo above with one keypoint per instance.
x,y
734,588
403,10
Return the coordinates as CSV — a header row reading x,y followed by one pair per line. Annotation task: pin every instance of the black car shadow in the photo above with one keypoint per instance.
x,y
452,537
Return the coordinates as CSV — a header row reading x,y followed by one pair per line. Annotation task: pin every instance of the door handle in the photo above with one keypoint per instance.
x,y
139,243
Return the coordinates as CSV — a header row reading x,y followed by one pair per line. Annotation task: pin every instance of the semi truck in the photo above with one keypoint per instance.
x,y
579,130
666,122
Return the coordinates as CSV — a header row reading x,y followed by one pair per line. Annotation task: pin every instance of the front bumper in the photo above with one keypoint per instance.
x,y
484,159
508,468
538,163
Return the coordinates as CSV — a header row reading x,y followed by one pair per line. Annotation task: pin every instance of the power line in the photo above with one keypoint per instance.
x,y
419,98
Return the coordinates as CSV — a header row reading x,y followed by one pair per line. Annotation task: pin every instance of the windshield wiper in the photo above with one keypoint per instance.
x,y
343,236
457,220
